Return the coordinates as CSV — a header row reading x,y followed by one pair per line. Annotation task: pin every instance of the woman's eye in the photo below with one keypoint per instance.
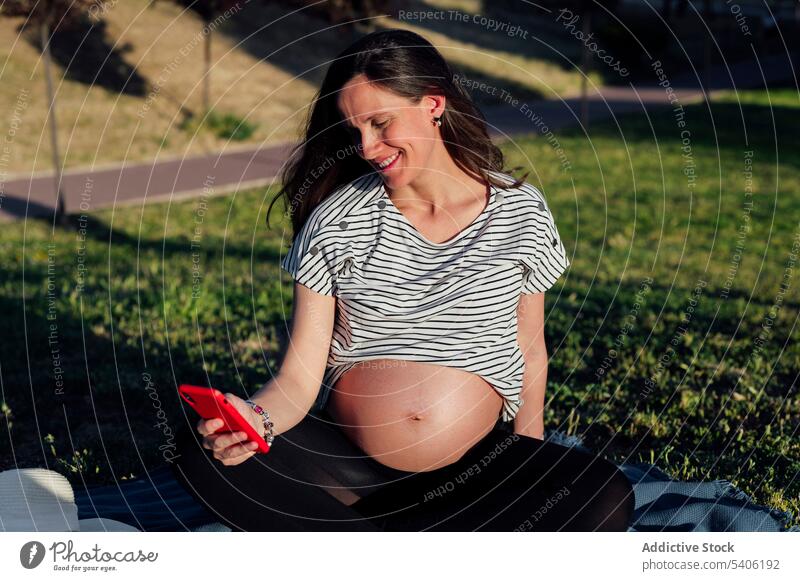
x,y
382,124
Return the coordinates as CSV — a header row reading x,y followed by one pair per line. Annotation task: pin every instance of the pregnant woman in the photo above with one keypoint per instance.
x,y
411,394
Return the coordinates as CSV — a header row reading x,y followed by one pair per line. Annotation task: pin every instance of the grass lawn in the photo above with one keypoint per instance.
x,y
672,339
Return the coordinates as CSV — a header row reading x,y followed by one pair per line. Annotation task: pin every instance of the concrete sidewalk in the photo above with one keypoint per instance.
x,y
126,184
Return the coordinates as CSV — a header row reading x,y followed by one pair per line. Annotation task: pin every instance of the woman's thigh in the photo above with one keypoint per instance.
x,y
305,482
508,482
321,452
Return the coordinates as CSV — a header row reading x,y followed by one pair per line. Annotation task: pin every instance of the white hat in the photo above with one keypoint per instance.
x,y
41,500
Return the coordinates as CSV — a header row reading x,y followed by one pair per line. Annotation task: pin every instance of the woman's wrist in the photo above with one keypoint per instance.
x,y
264,419
257,422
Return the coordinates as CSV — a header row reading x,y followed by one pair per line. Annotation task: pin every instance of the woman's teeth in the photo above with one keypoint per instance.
x,y
388,161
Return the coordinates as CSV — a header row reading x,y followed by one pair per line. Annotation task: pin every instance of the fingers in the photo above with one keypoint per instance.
x,y
222,441
236,454
230,448
206,427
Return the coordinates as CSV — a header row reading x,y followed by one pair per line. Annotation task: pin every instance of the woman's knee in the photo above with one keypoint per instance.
x,y
619,502
607,497
622,491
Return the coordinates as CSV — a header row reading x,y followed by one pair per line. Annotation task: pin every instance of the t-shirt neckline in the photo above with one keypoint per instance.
x,y
478,219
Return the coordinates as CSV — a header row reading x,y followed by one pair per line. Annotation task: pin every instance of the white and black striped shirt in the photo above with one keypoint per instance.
x,y
401,296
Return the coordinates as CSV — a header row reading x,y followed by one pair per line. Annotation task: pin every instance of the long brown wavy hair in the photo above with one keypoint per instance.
x,y
407,64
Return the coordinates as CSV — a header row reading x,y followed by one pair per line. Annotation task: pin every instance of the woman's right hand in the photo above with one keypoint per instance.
x,y
231,448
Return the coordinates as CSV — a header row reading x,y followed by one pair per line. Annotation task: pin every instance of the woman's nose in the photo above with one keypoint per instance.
x,y
368,145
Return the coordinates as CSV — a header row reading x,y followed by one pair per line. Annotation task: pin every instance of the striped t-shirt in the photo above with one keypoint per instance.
x,y
401,296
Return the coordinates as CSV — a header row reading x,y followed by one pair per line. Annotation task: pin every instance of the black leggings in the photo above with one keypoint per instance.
x,y
315,479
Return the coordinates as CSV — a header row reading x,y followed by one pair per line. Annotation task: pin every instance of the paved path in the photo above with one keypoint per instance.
x,y
126,184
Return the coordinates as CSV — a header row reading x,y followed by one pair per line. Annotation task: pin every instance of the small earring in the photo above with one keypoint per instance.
x,y
437,121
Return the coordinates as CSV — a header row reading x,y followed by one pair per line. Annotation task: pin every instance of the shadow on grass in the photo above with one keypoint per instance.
x,y
303,45
729,127
76,366
84,53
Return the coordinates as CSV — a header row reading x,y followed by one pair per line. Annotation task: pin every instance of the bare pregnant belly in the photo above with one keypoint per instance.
x,y
413,416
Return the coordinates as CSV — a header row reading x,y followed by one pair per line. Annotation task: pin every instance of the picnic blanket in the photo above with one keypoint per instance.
x,y
157,502
664,504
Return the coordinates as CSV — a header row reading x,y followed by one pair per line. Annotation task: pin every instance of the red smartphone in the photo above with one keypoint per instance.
x,y
212,403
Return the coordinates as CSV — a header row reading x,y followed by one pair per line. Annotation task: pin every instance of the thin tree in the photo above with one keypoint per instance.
x,y
209,11
47,15
587,10
708,15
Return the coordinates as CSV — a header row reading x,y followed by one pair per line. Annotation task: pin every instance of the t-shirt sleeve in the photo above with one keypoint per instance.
x,y
544,259
312,258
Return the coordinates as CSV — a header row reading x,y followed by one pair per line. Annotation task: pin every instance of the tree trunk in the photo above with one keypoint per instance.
x,y
709,17
61,215
585,60
207,76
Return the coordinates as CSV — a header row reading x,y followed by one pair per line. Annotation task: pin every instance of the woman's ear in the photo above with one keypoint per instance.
x,y
435,105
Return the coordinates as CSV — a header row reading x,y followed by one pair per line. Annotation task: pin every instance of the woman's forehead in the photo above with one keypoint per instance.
x,y
362,98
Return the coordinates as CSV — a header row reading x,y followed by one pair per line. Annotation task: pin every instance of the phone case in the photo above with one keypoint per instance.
x,y
212,403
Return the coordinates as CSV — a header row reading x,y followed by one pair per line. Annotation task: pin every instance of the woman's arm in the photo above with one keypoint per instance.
x,y
529,420
290,394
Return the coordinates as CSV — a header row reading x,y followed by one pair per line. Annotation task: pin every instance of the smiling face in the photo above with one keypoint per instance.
x,y
391,129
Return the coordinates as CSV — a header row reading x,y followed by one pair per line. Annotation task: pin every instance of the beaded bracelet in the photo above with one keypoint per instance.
x,y
268,435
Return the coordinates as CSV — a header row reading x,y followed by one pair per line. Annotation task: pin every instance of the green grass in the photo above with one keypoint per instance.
x,y
719,405
775,97
223,125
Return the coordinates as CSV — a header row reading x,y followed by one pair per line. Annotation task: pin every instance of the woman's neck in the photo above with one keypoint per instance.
x,y
443,184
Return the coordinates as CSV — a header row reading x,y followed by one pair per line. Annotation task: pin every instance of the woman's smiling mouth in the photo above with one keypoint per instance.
x,y
389,162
